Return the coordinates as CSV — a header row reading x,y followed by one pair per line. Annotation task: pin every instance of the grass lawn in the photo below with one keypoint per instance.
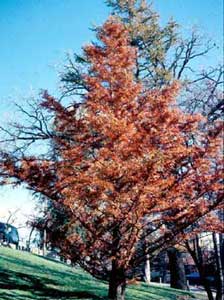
x,y
24,276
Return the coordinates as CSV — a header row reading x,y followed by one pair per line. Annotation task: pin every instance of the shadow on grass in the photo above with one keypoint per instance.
x,y
37,286
29,266
164,293
6,296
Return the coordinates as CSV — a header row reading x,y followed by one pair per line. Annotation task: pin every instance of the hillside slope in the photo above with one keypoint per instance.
x,y
24,276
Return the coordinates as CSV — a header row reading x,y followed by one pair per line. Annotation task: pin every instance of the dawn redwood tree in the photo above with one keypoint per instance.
x,y
128,160
164,54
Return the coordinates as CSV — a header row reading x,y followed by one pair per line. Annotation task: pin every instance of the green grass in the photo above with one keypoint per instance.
x,y
24,276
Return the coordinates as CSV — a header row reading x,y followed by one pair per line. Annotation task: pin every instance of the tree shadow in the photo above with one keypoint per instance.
x,y
6,296
165,293
38,287
26,267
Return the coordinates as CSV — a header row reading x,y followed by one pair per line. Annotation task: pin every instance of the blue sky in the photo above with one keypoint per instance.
x,y
36,34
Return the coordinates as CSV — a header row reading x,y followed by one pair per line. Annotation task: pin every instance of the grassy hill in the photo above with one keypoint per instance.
x,y
24,276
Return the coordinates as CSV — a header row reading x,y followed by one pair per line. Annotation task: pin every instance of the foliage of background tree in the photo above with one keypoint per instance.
x,y
164,54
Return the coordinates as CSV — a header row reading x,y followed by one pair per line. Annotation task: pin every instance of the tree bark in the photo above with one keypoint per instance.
x,y
219,271
117,283
147,270
29,239
177,272
198,260
44,243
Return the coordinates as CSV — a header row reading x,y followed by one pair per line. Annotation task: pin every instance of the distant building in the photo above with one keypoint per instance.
x,y
9,234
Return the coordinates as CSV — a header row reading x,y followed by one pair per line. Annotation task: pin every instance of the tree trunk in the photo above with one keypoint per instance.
x,y
198,260
117,283
44,243
147,270
177,272
29,239
163,267
219,271
221,246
